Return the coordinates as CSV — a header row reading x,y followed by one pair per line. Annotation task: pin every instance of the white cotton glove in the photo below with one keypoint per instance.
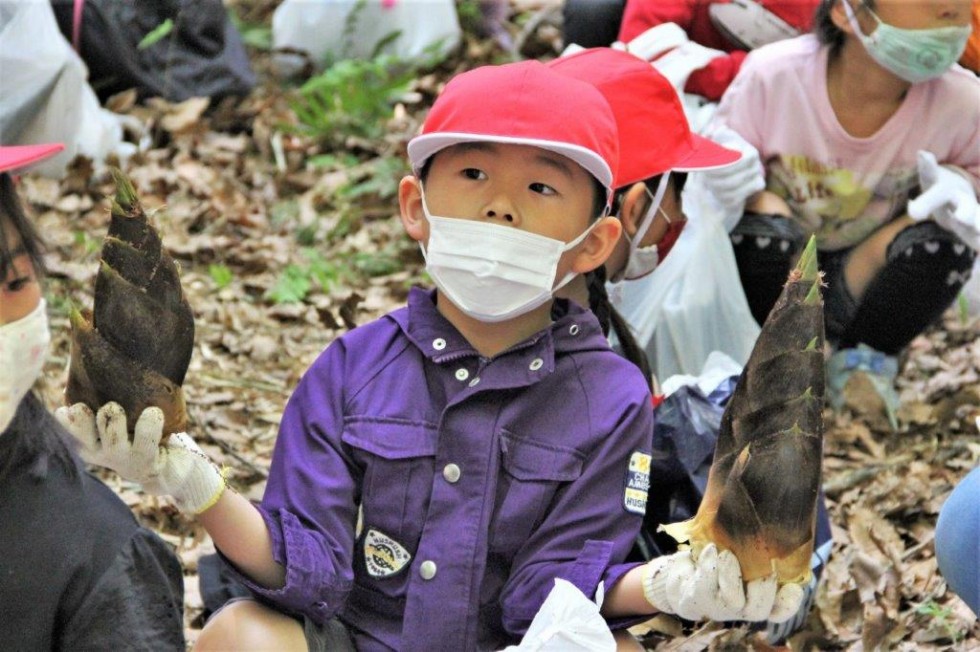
x,y
711,587
656,41
678,64
732,185
949,198
178,468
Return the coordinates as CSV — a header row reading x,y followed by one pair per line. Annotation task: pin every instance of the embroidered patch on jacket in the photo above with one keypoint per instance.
x,y
637,483
383,556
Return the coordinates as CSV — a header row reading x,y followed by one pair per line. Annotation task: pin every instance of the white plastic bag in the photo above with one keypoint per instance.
x,y
45,96
317,27
567,622
693,303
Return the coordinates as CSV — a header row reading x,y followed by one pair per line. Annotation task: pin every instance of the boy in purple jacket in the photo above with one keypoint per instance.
x,y
468,429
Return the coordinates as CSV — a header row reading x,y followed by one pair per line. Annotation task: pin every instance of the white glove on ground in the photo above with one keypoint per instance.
x,y
711,587
179,468
655,41
732,185
949,198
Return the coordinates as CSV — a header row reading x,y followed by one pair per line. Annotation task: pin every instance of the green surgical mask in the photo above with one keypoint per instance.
x,y
915,55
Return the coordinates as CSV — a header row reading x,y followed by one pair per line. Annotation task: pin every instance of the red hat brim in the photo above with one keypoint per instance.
x,y
14,157
705,154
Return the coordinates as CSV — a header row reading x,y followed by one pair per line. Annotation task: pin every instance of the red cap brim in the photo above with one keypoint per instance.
x,y
13,157
706,155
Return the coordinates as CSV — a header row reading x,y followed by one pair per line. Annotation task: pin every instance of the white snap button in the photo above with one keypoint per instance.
x,y
451,473
462,374
438,344
573,329
427,570
536,364
475,382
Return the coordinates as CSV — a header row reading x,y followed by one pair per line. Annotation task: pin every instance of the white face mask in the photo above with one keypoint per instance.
x,y
491,272
915,55
23,348
641,261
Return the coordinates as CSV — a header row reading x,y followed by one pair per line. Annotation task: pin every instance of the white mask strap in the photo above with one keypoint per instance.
x,y
655,200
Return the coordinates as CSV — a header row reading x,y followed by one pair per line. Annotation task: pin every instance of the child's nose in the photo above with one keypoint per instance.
x,y
500,209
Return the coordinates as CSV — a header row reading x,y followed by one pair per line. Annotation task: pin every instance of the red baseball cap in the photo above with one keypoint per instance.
x,y
654,134
13,157
523,103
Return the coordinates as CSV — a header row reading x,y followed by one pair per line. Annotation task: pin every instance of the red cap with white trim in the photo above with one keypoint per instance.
x,y
13,157
654,133
523,103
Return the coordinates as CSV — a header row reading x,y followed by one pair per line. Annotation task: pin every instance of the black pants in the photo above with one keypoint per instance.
x,y
925,268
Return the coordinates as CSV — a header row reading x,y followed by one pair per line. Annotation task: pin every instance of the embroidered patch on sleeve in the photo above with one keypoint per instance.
x,y
637,483
383,556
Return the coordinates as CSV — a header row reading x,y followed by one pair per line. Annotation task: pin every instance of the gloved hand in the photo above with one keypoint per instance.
x,y
711,587
732,185
948,197
678,64
178,468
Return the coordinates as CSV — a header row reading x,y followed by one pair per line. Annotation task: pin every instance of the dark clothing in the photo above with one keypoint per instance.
x,y
925,268
77,572
592,23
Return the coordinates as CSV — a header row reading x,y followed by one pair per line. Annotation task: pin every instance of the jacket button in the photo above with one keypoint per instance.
x,y
573,329
427,570
462,374
451,473
438,344
536,364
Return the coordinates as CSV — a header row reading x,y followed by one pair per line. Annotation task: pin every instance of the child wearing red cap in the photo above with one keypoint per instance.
x,y
437,469
78,571
731,26
868,136
657,149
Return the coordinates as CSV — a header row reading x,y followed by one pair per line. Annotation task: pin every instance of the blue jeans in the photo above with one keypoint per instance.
x,y
958,540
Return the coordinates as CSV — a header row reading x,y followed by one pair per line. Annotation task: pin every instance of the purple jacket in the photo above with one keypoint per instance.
x,y
480,480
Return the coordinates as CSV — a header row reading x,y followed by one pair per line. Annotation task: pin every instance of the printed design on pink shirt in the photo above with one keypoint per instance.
x,y
833,204
383,556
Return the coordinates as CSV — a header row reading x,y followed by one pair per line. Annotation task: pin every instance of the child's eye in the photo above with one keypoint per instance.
x,y
18,284
543,188
474,173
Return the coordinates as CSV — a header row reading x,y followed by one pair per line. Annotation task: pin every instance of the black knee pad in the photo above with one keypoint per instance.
x,y
765,246
925,268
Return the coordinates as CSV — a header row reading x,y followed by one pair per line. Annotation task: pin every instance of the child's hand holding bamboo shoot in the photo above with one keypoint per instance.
x,y
711,587
177,468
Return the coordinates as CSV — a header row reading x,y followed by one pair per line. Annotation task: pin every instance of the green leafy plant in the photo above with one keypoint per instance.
x,y
255,35
943,617
220,274
353,97
381,179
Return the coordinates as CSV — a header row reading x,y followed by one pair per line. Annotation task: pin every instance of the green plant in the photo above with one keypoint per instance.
x,y
220,274
88,244
353,97
943,617
296,281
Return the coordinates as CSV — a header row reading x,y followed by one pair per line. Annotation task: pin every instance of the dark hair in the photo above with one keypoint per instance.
x,y
12,215
823,25
36,440
609,317
679,179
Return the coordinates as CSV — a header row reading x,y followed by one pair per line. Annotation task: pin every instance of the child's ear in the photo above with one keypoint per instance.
x,y
838,15
598,245
410,206
633,207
